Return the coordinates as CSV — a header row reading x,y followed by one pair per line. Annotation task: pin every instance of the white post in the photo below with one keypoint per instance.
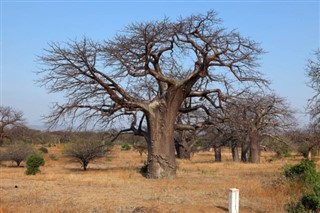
x,y
233,200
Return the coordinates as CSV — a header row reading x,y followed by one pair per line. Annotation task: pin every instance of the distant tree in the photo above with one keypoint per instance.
x,y
188,130
304,141
3,155
313,72
146,73
84,151
252,116
18,152
184,142
9,117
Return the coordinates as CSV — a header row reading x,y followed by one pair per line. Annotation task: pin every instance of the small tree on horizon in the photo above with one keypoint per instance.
x,y
85,151
18,152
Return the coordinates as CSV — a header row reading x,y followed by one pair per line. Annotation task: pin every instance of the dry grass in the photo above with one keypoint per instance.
x,y
116,186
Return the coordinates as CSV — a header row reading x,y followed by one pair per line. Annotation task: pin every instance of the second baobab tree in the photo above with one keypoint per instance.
x,y
150,68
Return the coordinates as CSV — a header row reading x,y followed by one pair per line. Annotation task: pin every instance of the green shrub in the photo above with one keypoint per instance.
x,y
126,147
305,173
303,170
311,202
296,208
33,163
43,150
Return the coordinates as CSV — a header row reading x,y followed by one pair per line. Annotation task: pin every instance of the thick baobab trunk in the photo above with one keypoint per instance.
x,y
254,147
161,149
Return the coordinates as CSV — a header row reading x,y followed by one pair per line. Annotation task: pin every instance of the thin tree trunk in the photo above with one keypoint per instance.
x,y
217,154
244,151
309,153
234,151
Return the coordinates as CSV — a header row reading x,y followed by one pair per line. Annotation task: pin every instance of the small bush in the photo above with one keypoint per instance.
x,y
33,163
43,150
311,202
53,157
296,208
126,147
305,173
85,151
18,152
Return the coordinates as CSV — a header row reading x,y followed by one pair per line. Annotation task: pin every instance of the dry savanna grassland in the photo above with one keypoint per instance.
x,y
114,184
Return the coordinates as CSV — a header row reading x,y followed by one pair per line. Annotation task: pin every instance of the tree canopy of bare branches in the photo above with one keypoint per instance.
x,y
252,116
9,117
146,72
85,151
313,72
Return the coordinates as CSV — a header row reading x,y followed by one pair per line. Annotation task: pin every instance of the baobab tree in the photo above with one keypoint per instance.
x,y
146,73
313,72
9,118
252,116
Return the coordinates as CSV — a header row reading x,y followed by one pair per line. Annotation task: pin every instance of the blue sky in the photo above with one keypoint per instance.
x,y
289,31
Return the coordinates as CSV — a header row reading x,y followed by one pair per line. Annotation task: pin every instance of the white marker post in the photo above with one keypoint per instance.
x,y
233,200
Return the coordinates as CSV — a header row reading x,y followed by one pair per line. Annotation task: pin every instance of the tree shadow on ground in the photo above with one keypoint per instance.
x,y
223,208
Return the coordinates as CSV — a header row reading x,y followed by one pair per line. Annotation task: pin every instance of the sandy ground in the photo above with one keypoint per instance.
x,y
115,185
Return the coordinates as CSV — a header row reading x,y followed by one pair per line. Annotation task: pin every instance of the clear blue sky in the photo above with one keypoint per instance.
x,y
287,30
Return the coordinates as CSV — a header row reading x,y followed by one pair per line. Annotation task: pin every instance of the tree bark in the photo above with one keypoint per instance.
x,y
1,136
217,154
245,148
161,149
309,153
234,151
183,149
183,152
254,147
